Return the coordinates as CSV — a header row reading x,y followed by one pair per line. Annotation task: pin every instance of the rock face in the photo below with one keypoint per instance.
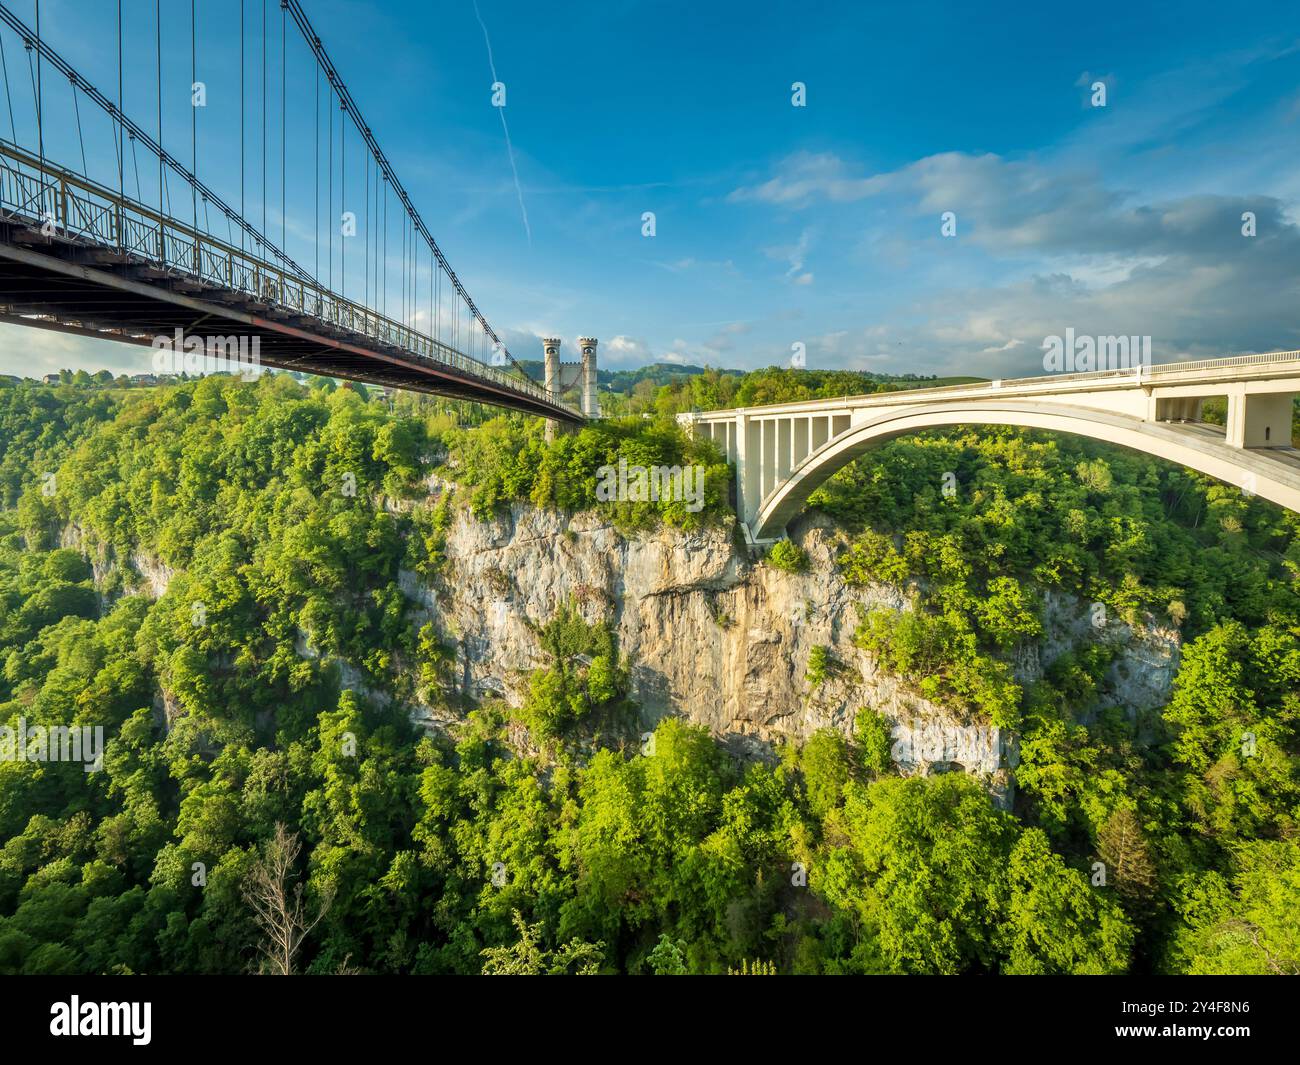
x,y
717,638
726,642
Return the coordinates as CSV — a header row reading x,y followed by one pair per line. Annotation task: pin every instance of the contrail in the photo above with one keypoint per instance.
x,y
509,147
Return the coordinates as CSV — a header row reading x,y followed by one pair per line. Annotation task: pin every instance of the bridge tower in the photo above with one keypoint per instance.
x,y
560,377
551,352
590,406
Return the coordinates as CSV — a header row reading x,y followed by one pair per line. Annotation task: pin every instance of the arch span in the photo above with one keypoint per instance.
x,y
1256,470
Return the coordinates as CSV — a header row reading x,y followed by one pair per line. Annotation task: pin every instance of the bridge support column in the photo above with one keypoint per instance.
x,y
551,375
767,468
821,431
749,463
784,448
1259,420
802,434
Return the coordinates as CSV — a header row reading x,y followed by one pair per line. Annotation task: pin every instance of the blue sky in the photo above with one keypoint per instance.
x,y
778,224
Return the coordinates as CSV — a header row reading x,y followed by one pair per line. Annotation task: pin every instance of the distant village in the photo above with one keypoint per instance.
x,y
104,378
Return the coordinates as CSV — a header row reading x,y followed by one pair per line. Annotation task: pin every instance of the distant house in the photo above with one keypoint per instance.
x,y
51,379
144,379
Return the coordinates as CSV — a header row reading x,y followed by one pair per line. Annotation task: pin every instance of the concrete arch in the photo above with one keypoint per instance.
x,y
1267,476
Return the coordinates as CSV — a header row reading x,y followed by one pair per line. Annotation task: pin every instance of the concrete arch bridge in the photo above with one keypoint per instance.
x,y
783,452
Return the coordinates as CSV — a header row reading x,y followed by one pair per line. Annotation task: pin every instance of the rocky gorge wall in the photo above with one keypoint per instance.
x,y
725,641
712,635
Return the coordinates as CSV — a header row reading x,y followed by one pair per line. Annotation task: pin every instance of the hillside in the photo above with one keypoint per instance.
x,y
1045,724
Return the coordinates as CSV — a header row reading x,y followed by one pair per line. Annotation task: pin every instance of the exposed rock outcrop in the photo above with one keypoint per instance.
x,y
726,642
716,637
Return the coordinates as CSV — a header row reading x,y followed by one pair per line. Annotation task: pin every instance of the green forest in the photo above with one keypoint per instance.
x,y
254,814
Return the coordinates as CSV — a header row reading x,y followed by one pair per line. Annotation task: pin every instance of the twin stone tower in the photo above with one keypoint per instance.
x,y
561,376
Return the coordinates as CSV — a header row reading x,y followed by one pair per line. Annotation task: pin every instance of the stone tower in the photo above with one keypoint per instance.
x,y
551,375
590,401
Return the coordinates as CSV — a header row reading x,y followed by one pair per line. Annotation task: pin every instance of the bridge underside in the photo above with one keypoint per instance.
x,y
76,287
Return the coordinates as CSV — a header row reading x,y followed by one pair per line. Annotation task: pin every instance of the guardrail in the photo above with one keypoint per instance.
x,y
1131,374
1047,380
34,192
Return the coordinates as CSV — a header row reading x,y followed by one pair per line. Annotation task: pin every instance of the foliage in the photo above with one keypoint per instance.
x,y
788,556
508,460
527,957
226,713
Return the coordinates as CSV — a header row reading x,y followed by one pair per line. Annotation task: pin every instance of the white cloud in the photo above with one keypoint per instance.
x,y
806,177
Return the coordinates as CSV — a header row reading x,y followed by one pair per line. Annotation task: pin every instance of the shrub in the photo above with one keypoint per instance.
x,y
788,556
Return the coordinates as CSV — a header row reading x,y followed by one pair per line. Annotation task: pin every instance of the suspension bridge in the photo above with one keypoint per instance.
x,y
93,243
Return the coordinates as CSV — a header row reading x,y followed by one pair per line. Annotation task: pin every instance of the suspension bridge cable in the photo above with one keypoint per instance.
x,y
13,129
76,106
243,78
263,116
369,234
284,132
343,197
121,150
40,97
366,263
31,71
162,207
314,42
139,195
316,168
385,247
329,211
194,116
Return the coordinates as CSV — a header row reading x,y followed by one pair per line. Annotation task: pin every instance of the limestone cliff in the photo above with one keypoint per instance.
x,y
714,636
725,642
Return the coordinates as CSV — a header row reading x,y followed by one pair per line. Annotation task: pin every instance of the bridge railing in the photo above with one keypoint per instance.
x,y
1148,370
1053,380
34,192
1226,362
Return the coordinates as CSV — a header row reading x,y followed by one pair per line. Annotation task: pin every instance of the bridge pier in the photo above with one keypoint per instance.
x,y
1256,420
